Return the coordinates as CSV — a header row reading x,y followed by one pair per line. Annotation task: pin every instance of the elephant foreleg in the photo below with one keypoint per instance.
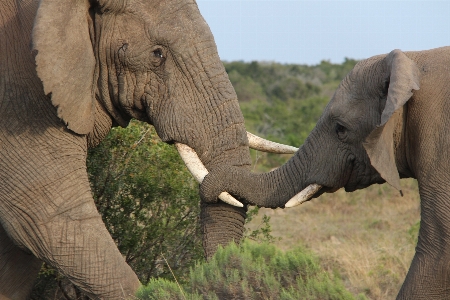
x,y
18,269
75,241
59,223
83,250
428,277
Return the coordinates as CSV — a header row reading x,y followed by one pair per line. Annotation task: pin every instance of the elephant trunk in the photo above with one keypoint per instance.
x,y
213,125
221,224
202,111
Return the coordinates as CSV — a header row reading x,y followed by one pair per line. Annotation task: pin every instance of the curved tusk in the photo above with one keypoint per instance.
x,y
193,163
258,143
304,195
198,170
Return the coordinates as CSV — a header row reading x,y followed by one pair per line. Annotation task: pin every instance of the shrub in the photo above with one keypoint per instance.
x,y
163,289
254,271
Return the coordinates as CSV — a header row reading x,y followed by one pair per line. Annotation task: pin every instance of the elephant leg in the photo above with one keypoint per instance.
x,y
83,250
428,277
56,220
221,224
18,269
77,244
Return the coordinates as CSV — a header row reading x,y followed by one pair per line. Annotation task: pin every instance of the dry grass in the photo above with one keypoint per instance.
x,y
367,235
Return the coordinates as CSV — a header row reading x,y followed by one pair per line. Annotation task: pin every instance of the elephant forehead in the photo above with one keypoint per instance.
x,y
347,108
341,101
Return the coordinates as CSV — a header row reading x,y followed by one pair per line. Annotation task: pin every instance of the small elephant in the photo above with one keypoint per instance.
x,y
95,64
388,119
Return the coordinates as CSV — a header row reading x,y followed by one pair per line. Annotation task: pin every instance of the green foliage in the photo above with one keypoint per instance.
x,y
285,122
246,87
254,271
269,82
263,233
413,232
148,200
46,283
163,289
285,81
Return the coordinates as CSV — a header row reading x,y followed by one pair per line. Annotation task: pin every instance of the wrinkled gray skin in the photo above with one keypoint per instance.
x,y
389,118
69,70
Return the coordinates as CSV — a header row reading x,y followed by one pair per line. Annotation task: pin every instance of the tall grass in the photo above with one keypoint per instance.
x,y
368,236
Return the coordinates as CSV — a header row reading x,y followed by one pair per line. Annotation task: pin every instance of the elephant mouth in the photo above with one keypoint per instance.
x,y
199,171
311,191
314,190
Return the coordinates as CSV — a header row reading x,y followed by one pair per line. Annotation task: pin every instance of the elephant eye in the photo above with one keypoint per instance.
x,y
157,57
158,53
340,130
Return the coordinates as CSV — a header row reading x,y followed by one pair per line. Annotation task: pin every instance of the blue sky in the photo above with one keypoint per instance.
x,y
307,31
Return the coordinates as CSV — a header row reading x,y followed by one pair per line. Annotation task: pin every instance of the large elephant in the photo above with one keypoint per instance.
x,y
388,119
94,64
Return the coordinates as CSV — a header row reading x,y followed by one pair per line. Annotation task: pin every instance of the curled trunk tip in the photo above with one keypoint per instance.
x,y
199,171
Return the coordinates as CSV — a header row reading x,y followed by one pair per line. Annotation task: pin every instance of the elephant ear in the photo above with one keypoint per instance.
x,y
65,60
404,77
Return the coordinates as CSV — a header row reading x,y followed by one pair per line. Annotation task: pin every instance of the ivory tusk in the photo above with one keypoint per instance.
x,y
198,170
304,195
258,143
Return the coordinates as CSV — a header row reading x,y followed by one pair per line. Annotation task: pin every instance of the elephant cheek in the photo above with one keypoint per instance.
x,y
155,92
361,177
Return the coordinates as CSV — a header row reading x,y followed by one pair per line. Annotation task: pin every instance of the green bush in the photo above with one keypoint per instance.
x,y
253,271
148,200
163,289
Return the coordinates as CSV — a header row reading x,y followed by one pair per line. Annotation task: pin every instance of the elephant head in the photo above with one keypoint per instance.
x,y
387,120
355,143
155,61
